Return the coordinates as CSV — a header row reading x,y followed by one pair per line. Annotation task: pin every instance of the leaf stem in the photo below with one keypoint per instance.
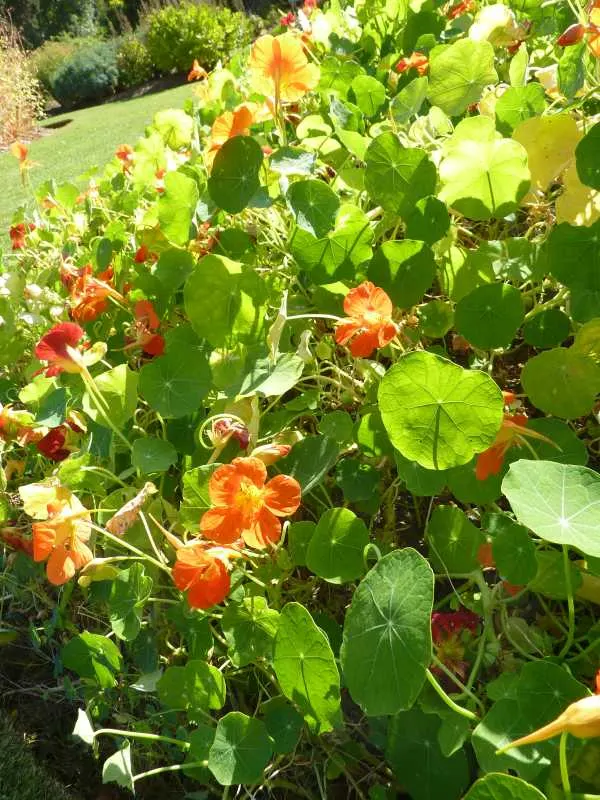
x,y
464,712
564,767
155,737
570,604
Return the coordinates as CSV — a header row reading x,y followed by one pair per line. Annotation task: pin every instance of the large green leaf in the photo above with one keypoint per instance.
x,y
176,207
128,595
489,316
405,269
234,177
198,685
574,259
387,634
335,551
283,722
437,413
543,690
118,386
306,669
409,100
562,382
240,751
93,657
483,175
453,540
497,786
176,383
586,155
310,460
459,73
221,300
398,176
559,502
369,94
314,206
153,455
414,753
249,628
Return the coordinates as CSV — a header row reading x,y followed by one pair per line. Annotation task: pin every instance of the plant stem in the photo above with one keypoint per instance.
x,y
171,768
564,767
464,712
139,735
122,543
570,604
101,406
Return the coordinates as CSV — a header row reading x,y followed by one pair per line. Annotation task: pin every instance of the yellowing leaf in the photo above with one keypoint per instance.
x,y
550,143
578,204
37,496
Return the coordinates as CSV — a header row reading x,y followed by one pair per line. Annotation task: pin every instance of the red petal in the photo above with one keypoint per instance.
x,y
53,344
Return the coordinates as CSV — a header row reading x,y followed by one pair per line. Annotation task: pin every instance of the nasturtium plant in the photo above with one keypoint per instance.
x,y
299,490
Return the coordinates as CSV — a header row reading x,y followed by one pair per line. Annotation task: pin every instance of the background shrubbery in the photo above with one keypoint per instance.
x,y
20,93
134,62
90,73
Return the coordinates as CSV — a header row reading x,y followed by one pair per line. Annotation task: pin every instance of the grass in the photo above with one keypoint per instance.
x,y
89,139
20,777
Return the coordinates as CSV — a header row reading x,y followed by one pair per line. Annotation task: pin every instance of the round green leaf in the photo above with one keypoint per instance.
x,y
335,551
420,481
437,413
314,206
240,751
337,425
574,255
404,269
497,786
175,384
306,668
119,387
397,176
284,724
458,74
414,753
513,549
90,655
483,175
153,455
249,628
437,317
369,94
586,156
298,537
174,126
519,103
409,100
234,177
489,316
547,329
558,502
387,634
359,482
198,685
428,220
176,207
561,382
453,540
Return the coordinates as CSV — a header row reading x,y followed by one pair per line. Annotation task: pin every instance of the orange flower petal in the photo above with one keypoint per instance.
x,y
282,495
265,530
211,587
364,344
60,567
251,468
222,525
490,462
223,484
358,300
386,333
345,331
44,538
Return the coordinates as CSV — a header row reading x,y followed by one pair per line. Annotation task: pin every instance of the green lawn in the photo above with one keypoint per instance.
x,y
89,139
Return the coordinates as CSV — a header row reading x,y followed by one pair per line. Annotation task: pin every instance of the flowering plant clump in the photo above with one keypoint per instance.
x,y
299,416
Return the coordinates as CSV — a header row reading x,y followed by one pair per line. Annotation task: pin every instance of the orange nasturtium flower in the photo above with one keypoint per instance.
x,y
230,124
144,330
246,506
197,73
280,69
61,530
511,434
125,154
369,324
18,232
416,60
203,572
581,719
89,294
58,347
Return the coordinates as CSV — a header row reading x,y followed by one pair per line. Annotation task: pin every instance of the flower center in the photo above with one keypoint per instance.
x,y
249,498
372,318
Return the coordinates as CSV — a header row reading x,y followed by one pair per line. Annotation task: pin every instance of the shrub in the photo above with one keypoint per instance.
x,y
134,62
89,74
178,35
45,60
21,98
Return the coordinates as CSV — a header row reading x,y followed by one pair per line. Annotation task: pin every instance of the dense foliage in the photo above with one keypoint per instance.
x,y
90,73
300,434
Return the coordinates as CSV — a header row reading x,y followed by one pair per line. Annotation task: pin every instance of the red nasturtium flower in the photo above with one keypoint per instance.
x,y
197,73
288,19
246,506
446,632
280,69
203,573
59,348
126,155
369,324
52,445
18,232
143,254
144,330
460,8
416,60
